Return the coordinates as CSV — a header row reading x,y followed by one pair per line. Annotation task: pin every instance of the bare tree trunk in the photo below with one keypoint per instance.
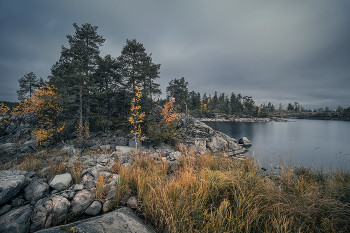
x,y
81,110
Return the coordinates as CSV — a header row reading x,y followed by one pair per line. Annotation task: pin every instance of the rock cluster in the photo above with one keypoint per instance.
x,y
200,137
30,202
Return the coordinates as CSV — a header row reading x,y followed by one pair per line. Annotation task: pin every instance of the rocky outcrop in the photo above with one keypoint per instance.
x,y
200,137
11,182
36,190
122,221
16,220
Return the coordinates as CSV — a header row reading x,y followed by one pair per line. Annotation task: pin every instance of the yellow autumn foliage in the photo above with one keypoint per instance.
x,y
136,116
44,106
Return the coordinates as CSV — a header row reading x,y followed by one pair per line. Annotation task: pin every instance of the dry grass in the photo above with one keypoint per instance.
x,y
30,163
100,187
76,169
209,194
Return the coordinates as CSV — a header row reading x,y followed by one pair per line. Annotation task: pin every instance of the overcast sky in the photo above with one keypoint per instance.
x,y
274,50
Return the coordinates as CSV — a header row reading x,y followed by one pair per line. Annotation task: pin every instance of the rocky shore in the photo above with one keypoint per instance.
x,y
62,185
244,119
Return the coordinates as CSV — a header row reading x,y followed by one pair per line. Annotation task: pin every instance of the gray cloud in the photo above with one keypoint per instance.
x,y
278,51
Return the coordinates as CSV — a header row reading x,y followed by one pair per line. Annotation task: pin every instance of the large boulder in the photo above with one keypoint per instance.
x,y
61,182
11,182
94,208
244,141
28,146
218,144
60,207
36,190
81,201
38,218
16,220
123,220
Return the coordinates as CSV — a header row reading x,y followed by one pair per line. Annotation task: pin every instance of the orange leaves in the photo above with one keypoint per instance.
x,y
204,107
136,116
45,108
4,115
168,113
82,131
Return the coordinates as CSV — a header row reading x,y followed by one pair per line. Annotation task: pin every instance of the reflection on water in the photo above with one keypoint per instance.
x,y
314,143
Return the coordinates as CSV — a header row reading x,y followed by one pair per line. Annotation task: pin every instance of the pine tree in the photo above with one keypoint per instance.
x,y
28,84
72,73
137,68
178,90
108,87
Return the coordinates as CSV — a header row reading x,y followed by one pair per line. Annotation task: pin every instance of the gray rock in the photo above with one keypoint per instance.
x,y
11,182
61,182
81,201
88,180
78,187
28,147
70,150
16,220
123,220
217,144
244,141
121,141
17,202
5,209
200,145
36,190
124,150
175,154
108,206
103,159
60,207
94,208
135,143
132,202
105,147
38,218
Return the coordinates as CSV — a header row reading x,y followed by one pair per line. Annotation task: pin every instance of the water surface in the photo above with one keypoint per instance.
x,y
312,143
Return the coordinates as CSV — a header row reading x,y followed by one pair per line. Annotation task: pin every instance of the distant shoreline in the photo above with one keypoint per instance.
x,y
243,119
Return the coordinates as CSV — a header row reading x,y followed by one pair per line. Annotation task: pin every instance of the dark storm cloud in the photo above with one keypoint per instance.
x,y
278,51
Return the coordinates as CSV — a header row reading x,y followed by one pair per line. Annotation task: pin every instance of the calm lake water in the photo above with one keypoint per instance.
x,y
311,143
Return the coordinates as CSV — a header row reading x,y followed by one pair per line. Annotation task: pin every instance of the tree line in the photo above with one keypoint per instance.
x,y
94,93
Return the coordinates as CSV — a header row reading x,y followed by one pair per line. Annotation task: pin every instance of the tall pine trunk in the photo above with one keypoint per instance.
x,y
81,109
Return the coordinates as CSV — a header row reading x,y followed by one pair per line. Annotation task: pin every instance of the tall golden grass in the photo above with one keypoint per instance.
x,y
218,194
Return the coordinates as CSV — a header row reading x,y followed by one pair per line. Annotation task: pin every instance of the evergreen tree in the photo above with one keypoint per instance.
x,y
178,89
137,69
73,72
28,84
108,87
